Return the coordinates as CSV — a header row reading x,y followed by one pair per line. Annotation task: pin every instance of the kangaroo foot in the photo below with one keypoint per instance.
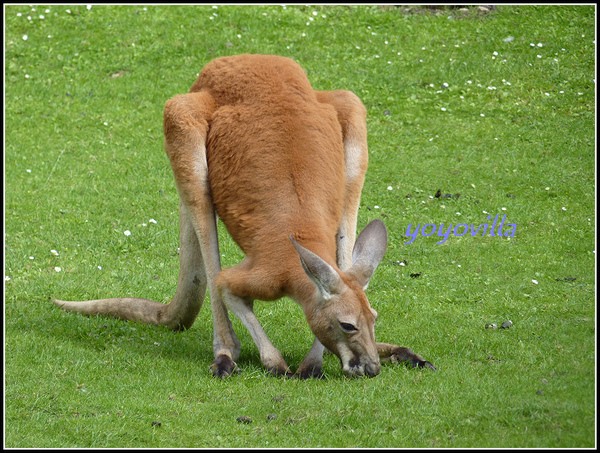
x,y
223,366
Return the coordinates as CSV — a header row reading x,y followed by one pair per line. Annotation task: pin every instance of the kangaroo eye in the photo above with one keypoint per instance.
x,y
347,327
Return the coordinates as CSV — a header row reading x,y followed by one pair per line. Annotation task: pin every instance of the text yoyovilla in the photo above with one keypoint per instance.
x,y
429,229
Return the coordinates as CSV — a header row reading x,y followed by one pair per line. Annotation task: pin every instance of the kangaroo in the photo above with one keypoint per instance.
x,y
283,166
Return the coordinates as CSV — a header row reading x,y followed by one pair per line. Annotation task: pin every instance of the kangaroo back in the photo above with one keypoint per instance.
x,y
275,156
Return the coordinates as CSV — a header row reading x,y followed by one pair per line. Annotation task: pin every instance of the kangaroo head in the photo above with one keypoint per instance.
x,y
340,316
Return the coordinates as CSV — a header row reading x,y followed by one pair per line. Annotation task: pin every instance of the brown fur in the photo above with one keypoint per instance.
x,y
283,167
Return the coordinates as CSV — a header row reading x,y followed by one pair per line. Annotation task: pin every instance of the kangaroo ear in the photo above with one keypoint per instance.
x,y
326,278
368,251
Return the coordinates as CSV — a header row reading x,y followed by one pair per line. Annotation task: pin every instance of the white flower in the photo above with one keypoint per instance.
x,y
6,278
152,221
25,38
100,267
127,233
535,282
57,269
54,252
564,209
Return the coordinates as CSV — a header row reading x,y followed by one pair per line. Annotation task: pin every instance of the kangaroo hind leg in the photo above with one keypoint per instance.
x,y
352,117
186,124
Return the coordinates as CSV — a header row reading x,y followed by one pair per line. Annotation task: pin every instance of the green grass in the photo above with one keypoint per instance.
x,y
512,132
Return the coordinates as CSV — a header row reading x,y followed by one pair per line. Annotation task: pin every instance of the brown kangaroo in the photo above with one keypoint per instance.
x,y
283,166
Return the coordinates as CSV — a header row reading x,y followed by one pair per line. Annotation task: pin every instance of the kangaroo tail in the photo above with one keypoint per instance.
x,y
128,308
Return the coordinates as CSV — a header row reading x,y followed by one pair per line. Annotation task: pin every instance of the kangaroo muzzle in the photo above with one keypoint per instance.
x,y
356,367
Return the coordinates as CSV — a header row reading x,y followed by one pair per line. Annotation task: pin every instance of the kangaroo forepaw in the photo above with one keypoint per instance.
x,y
391,353
279,372
312,373
422,364
223,366
405,355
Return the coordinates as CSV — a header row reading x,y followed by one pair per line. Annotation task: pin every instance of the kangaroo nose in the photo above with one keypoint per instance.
x,y
372,370
356,369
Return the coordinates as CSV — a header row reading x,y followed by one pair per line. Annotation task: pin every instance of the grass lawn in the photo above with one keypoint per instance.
x,y
495,109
